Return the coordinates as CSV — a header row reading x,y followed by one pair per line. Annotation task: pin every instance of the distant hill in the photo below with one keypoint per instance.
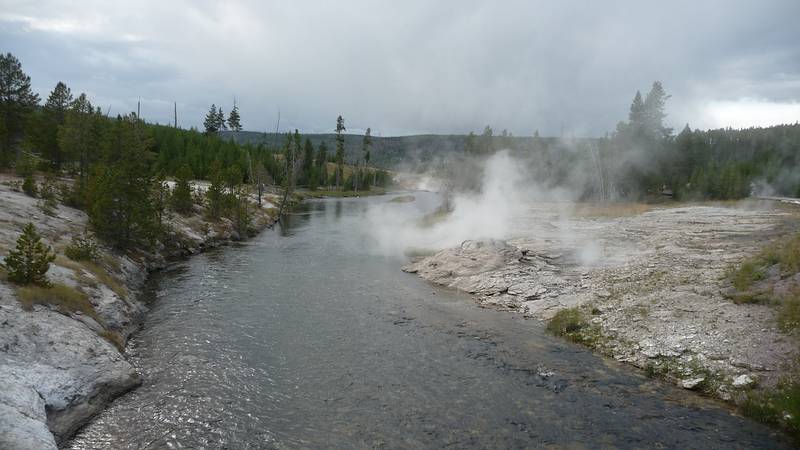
x,y
410,152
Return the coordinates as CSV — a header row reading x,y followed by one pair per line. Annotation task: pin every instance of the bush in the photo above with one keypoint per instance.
x,y
29,186
181,200
567,323
29,262
779,407
82,248
75,195
789,313
47,193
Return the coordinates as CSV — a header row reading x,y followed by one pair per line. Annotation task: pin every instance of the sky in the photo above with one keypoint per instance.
x,y
417,66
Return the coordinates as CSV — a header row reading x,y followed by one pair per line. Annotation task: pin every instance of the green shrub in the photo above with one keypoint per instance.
x,y
181,200
82,248
746,275
780,406
47,193
567,323
789,312
29,186
29,261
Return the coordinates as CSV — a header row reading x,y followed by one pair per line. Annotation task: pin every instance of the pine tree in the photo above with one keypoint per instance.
x,y
210,123
29,261
79,134
121,206
653,111
308,159
220,120
366,145
322,163
339,150
234,120
54,115
17,100
181,200
636,114
215,195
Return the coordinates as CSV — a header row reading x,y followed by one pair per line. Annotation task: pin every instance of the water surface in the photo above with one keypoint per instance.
x,y
304,337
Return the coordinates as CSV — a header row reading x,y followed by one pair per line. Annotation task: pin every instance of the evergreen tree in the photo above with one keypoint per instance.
x,y
80,134
636,116
220,120
182,193
366,145
322,163
486,139
653,111
308,159
121,209
55,112
470,144
339,150
215,195
234,120
17,100
29,261
211,122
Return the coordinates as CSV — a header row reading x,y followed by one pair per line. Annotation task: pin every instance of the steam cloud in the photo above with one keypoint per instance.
x,y
488,214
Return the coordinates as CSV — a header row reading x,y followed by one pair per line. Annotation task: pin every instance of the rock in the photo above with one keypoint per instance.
x,y
527,290
742,381
603,293
651,352
691,383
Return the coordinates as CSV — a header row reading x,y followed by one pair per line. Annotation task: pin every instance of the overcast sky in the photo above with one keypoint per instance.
x,y
406,67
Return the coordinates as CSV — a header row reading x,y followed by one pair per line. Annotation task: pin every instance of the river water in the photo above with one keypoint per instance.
x,y
304,337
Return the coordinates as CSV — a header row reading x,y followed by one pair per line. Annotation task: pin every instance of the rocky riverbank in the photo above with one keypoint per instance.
x,y
60,368
645,287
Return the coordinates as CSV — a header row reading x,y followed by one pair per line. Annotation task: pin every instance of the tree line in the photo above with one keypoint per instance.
x,y
119,164
643,158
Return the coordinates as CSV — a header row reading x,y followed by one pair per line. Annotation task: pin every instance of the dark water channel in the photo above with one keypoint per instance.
x,y
304,338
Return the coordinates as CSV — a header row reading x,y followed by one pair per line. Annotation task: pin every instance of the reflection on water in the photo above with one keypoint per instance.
x,y
303,338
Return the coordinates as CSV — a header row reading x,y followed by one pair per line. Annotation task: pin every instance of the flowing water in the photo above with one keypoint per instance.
x,y
305,338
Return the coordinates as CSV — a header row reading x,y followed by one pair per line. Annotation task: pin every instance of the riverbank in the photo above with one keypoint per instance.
x,y
644,285
59,364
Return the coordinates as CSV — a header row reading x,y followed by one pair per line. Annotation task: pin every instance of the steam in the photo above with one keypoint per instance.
x,y
487,214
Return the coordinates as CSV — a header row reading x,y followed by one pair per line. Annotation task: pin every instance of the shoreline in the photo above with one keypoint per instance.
x,y
646,288
59,369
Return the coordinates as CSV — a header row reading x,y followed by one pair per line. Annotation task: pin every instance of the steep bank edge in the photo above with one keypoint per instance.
x,y
57,370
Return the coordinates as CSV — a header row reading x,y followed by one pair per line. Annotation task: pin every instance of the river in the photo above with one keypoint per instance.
x,y
305,337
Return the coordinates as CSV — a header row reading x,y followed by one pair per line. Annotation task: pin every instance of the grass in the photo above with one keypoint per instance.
x,y
65,299
100,275
780,407
744,278
786,255
320,193
115,338
403,199
567,323
789,312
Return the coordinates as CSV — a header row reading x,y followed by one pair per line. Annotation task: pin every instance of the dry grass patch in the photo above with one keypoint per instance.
x,y
65,299
99,275
115,338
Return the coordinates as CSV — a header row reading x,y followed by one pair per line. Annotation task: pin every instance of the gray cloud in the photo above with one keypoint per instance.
x,y
414,66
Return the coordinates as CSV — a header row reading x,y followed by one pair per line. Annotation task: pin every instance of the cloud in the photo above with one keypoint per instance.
x,y
414,66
